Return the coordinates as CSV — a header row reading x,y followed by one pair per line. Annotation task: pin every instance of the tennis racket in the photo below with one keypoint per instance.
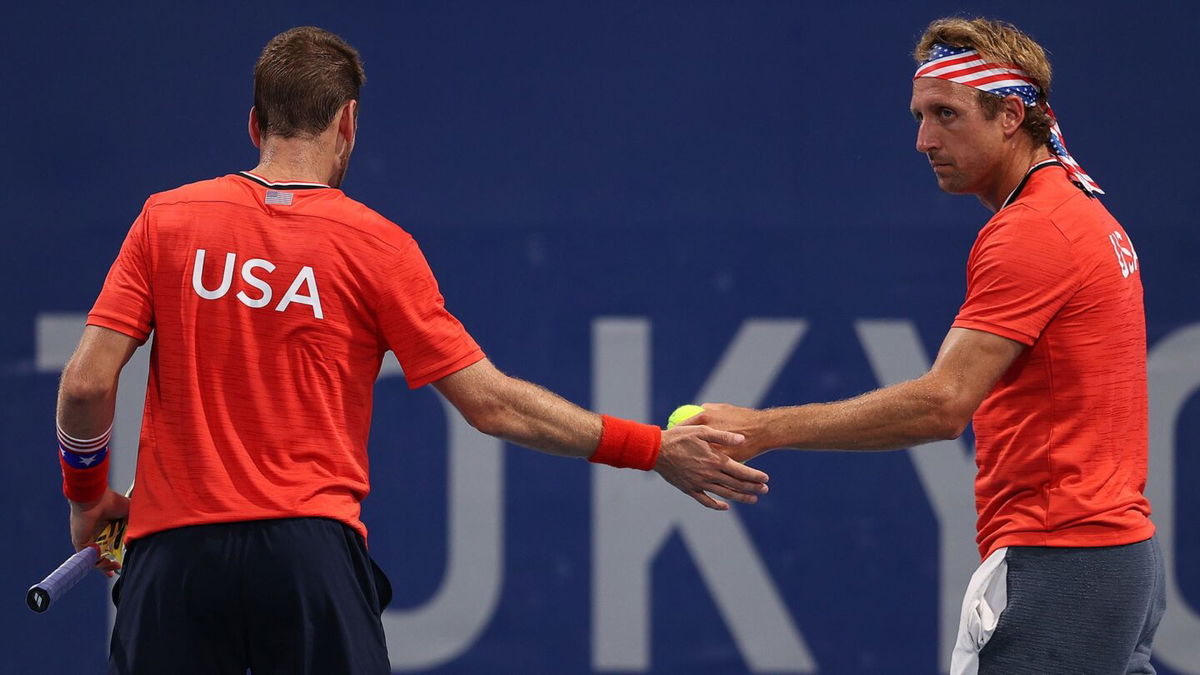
x,y
109,544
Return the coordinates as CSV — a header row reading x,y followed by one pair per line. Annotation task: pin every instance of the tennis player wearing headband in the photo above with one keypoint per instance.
x,y
1047,357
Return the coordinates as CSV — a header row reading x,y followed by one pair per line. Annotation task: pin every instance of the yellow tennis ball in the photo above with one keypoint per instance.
x,y
682,413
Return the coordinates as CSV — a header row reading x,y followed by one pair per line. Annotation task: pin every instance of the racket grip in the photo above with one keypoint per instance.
x,y
62,579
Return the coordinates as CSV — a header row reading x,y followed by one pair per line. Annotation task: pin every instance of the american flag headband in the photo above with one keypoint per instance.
x,y
965,66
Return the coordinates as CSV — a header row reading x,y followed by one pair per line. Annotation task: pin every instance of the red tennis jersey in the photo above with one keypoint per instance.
x,y
272,306
1061,440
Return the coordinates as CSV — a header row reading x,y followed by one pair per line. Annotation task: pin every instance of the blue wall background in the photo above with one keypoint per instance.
x,y
692,164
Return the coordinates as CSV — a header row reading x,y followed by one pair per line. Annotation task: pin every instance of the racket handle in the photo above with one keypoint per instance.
x,y
62,579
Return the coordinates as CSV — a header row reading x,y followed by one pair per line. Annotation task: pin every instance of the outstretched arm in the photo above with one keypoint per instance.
x,y
532,416
938,405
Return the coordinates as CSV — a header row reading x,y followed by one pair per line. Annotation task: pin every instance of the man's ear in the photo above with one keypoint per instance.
x,y
348,122
255,133
1012,115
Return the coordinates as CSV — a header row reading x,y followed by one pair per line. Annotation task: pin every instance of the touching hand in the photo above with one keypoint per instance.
x,y
748,422
688,460
88,519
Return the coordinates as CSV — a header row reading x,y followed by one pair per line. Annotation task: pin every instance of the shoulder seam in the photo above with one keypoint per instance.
x,y
152,203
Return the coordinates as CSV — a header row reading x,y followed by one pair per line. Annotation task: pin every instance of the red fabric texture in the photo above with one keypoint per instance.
x,y
84,485
1061,440
627,445
260,394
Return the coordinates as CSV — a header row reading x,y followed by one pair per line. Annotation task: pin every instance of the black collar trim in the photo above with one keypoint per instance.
x,y
1021,186
280,186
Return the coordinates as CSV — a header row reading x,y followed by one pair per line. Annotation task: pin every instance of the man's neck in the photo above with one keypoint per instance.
x,y
1009,176
298,160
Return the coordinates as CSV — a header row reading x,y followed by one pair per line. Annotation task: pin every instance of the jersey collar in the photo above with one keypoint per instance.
x,y
286,185
1012,196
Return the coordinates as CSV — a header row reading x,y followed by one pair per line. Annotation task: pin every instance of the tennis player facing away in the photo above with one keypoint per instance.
x,y
1047,353
273,297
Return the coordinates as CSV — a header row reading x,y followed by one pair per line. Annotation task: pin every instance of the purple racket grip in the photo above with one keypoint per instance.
x,y
62,579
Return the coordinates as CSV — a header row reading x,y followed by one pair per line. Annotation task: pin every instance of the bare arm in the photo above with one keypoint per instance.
x,y
87,398
532,416
935,406
87,393
520,411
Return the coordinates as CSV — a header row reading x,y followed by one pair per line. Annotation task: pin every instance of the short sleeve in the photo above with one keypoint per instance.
x,y
1020,274
126,302
428,341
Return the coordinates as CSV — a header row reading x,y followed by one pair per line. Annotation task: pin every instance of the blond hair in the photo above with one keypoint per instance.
x,y
996,42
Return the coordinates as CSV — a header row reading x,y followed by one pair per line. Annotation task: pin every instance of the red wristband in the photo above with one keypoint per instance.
x,y
627,445
84,485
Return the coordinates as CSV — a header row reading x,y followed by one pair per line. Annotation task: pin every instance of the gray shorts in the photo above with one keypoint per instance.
x,y
1037,610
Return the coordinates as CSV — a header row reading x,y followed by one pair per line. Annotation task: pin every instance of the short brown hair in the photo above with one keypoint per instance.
x,y
997,42
301,79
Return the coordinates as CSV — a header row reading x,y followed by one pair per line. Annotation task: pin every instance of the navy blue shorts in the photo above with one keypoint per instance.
x,y
294,596
1032,610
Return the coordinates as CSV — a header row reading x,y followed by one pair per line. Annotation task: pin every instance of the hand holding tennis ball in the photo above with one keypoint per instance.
x,y
749,422
720,475
682,414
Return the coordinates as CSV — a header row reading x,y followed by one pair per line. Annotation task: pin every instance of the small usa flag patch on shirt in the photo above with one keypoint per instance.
x,y
277,197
